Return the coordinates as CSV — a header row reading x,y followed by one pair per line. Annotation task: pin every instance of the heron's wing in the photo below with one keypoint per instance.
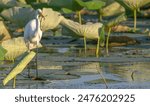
x,y
30,29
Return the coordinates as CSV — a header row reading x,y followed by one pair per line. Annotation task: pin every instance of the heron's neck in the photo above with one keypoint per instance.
x,y
37,16
38,27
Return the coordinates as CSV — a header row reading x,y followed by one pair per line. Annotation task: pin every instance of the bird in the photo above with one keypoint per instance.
x,y
33,34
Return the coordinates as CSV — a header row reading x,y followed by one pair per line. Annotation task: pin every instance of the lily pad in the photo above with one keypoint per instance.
x,y
133,4
19,67
52,19
2,53
67,11
115,21
90,31
36,4
15,47
77,5
72,5
22,1
18,15
4,33
94,4
39,5
112,9
7,3
58,4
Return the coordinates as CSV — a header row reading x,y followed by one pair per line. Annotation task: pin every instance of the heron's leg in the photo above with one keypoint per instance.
x,y
85,48
36,61
29,73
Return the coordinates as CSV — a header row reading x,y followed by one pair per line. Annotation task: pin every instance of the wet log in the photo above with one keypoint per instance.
x,y
122,41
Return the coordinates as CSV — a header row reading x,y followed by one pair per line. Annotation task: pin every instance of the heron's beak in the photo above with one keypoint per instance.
x,y
41,14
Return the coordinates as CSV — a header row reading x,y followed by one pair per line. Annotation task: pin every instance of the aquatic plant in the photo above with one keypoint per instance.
x,y
101,74
95,5
133,5
36,4
15,47
112,9
7,4
90,5
18,15
100,40
113,22
4,33
18,68
94,31
2,53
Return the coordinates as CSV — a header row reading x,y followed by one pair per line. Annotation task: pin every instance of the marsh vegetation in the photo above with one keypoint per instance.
x,y
85,44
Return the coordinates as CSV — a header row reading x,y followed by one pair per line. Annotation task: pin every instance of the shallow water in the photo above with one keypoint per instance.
x,y
68,67
62,64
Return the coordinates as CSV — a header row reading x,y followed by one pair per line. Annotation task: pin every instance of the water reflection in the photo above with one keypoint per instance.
x,y
65,68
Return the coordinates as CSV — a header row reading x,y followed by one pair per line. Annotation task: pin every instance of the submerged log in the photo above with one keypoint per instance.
x,y
122,41
18,68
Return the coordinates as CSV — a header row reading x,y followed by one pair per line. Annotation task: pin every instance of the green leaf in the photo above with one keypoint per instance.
x,y
122,3
22,1
73,5
39,5
80,2
112,9
18,15
19,67
4,33
49,22
133,4
15,47
77,5
58,4
116,21
67,11
94,5
2,53
7,3
102,35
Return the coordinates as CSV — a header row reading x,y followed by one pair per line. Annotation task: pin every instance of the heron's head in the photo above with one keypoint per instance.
x,y
39,13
